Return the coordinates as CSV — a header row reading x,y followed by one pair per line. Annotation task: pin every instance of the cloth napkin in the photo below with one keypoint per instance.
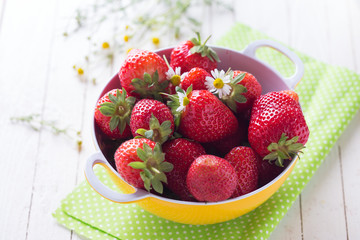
x,y
327,109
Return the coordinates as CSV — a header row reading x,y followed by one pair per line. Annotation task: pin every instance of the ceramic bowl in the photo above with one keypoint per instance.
x,y
199,212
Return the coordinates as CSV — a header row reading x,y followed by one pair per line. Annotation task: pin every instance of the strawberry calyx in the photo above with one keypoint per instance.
x,y
202,49
157,132
284,149
119,109
153,167
236,95
149,86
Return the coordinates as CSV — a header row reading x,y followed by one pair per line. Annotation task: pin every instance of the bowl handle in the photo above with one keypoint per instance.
x,y
98,186
299,66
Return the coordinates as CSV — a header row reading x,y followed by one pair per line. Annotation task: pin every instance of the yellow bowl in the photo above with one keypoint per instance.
x,y
199,212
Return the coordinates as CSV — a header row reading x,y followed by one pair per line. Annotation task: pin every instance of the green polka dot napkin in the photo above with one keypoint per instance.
x,y
328,111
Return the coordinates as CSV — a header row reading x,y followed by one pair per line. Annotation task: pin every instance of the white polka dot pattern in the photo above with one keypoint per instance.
x,y
327,109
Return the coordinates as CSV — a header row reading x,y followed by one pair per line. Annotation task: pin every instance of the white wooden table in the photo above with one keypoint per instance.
x,y
39,169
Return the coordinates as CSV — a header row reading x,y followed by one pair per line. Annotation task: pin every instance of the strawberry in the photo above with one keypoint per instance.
x,y
112,113
195,77
181,153
143,74
141,163
152,119
202,116
193,53
292,94
275,118
244,160
268,171
223,146
245,89
211,179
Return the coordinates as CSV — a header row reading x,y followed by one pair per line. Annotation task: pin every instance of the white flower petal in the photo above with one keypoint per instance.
x,y
170,73
177,71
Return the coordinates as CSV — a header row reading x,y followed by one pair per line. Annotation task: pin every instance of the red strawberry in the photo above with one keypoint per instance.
x,y
193,53
211,179
253,91
203,117
268,171
195,77
223,146
140,162
112,113
152,119
181,153
275,118
244,160
143,74
292,94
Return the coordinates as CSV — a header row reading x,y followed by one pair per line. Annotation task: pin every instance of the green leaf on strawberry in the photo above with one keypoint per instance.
x,y
154,167
119,109
202,49
149,86
157,132
283,149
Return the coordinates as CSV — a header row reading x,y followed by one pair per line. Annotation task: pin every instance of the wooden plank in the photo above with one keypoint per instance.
x,y
290,226
24,44
2,12
56,172
349,156
349,141
354,19
269,17
322,202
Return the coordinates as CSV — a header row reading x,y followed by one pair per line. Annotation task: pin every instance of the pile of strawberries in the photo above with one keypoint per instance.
x,y
192,132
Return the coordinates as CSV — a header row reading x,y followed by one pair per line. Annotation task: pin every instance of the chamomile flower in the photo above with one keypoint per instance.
x,y
175,76
183,101
218,83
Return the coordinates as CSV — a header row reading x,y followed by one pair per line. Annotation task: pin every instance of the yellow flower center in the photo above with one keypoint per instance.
x,y
155,40
175,80
105,45
218,83
186,101
80,71
126,38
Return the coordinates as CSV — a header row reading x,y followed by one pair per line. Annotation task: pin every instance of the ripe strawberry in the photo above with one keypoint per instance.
x,y
152,119
268,171
195,77
292,94
193,53
244,160
253,91
203,117
211,179
112,113
181,153
223,146
143,74
275,118
141,163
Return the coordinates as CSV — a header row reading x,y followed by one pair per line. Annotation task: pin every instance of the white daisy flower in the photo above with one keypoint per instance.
x,y
218,83
183,101
175,76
